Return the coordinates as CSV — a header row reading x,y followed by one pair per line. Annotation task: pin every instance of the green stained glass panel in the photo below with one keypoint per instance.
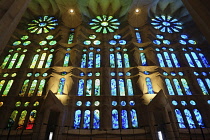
x,y
19,63
5,61
41,87
6,91
13,60
35,59
1,84
24,88
32,88
49,60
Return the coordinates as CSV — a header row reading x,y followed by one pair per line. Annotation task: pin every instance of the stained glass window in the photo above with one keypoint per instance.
x,y
129,87
189,118
204,60
143,59
31,119
61,86
12,119
77,119
115,119
7,88
119,60
86,124
66,60
90,59
122,87
180,118
41,87
169,87
149,86
202,86
124,117
134,120
96,119
71,36
32,88
160,58
198,118
186,87
170,59
81,87
104,24
97,87
22,119
113,87
138,36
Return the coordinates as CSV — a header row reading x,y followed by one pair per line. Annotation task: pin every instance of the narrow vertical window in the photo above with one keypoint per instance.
x,y
113,87
186,87
89,87
86,124
24,88
41,87
22,119
90,61
2,84
124,117
98,60
204,60
143,59
35,59
81,87
208,82
176,63
41,61
49,60
169,87
12,119
66,60
115,119
96,119
112,61
20,61
83,61
177,86
180,118
6,60
189,118
129,87
61,86
202,86
126,60
7,88
119,60
122,87
168,60
77,119
97,87
134,120
71,36
31,120
32,88
138,36
149,86
189,60
160,58
12,62
197,61
198,118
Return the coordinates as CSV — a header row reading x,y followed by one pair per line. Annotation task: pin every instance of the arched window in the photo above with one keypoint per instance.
x,y
113,87
96,119
198,118
202,86
77,119
66,60
41,87
86,124
134,120
115,119
22,119
31,119
32,88
143,59
189,118
81,87
180,118
91,58
149,86
169,87
129,87
12,119
124,117
61,86
4,88
71,36
138,36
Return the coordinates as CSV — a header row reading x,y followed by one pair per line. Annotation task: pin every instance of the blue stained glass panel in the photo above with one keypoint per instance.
x,y
81,87
89,87
179,118
90,61
189,118
112,61
204,60
97,87
189,60
77,119
115,120
134,118
98,60
49,60
96,119
149,86
66,60
86,124
122,87
169,87
198,117
119,60
130,87
113,87
178,88
196,60
61,86
124,116
168,60
83,61
175,60
186,87
208,82
138,37
126,59
143,59
160,58
202,86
